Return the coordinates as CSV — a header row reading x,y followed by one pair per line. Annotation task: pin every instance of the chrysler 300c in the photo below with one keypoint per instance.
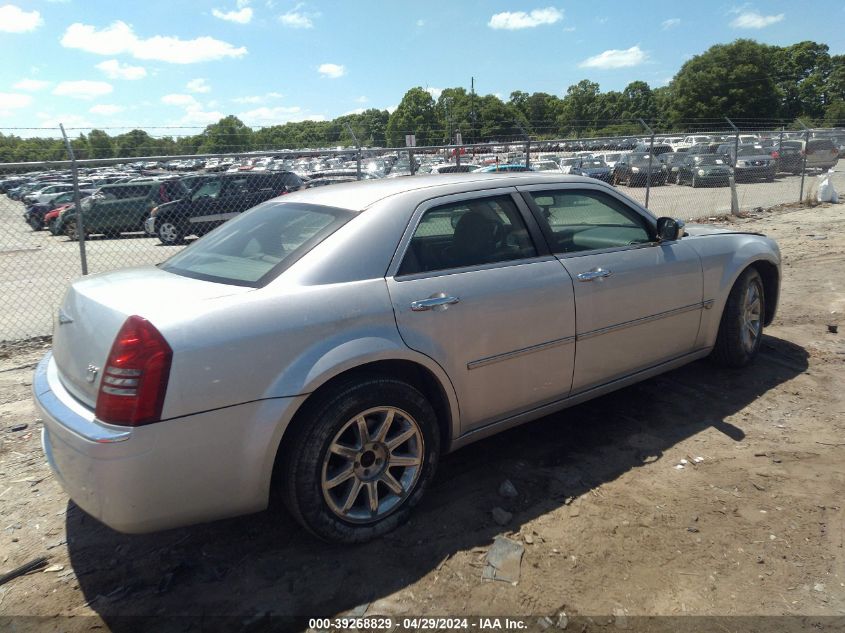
x,y
326,347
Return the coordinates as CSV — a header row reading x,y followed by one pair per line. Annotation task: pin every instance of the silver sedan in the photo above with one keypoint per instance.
x,y
327,347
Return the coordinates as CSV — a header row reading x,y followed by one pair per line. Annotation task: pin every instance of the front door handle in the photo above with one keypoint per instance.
x,y
440,300
595,273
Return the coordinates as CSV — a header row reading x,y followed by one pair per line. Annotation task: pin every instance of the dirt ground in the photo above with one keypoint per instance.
x,y
610,525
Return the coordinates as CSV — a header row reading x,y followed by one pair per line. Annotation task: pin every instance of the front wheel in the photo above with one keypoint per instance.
x,y
71,230
35,223
361,459
741,327
170,233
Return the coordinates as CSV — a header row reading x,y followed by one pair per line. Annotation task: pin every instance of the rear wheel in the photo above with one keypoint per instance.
x,y
170,233
361,459
35,223
741,327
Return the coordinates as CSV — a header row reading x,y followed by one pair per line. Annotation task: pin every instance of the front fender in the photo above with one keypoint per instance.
x,y
724,257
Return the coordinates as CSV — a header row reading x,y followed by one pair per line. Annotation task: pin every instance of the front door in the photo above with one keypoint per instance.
x,y
638,302
479,294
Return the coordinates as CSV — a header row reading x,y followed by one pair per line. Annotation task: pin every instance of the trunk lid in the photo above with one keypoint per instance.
x,y
94,308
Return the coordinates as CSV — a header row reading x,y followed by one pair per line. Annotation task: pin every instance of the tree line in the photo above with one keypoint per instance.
x,y
754,84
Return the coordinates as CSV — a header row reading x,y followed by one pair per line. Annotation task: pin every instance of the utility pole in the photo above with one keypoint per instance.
x,y
732,177
472,107
650,159
804,162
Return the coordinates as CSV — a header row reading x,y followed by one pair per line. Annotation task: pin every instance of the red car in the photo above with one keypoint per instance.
x,y
49,218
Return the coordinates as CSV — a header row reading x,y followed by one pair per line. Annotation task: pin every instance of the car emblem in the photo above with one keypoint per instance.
x,y
91,374
64,318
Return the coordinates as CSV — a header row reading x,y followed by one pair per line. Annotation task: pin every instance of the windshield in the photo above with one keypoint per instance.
x,y
710,160
255,247
751,151
593,163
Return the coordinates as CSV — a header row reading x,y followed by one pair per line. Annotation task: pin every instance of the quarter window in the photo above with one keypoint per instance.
x,y
589,220
468,233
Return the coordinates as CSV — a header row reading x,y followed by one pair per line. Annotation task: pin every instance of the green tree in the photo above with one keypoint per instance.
x,y
229,134
414,115
734,80
100,144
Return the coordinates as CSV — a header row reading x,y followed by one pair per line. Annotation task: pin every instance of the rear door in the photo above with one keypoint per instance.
x,y
474,288
638,302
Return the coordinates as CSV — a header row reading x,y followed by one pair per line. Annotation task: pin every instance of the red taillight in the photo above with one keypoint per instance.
x,y
135,376
775,154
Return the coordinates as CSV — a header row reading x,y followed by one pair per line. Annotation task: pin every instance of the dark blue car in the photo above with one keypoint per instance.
x,y
592,167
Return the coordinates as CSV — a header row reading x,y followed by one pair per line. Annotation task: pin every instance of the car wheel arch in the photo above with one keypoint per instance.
x,y
416,372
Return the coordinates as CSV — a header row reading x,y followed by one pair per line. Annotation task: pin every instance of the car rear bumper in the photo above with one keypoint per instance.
x,y
176,472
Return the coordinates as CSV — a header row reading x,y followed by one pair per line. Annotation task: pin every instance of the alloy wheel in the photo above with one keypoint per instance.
x,y
751,317
372,464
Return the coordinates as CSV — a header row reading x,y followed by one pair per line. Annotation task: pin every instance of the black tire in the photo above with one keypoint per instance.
x,y
298,476
35,223
170,233
71,232
732,348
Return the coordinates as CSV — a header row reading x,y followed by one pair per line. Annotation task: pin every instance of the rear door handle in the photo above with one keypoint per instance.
x,y
595,273
440,300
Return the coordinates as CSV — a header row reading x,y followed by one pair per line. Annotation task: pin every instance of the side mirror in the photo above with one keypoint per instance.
x,y
669,229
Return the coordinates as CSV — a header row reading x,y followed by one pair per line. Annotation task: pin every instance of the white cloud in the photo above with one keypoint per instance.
x,y
392,108
420,23
84,89
258,98
670,23
106,109
198,85
115,70
614,58
197,116
243,16
119,38
14,101
434,92
179,100
355,111
332,71
514,20
298,19
13,19
31,85
361,99
754,20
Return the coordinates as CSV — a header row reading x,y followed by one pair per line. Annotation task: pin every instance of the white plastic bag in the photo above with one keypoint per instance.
x,y
826,191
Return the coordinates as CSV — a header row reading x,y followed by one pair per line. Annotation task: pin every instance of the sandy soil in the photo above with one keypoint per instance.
x,y
610,526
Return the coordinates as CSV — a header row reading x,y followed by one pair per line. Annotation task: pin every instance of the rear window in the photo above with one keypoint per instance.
x,y
820,144
256,246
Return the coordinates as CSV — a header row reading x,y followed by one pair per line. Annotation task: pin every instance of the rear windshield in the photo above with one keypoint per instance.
x,y
751,151
256,246
710,160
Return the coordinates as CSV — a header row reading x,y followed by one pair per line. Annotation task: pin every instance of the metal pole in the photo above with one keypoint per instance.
x,y
732,178
804,161
80,228
650,159
527,145
780,147
357,151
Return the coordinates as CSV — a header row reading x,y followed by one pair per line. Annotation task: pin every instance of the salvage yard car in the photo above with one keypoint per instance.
x,y
327,347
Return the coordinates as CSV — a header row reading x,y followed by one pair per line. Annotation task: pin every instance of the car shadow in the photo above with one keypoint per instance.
x,y
250,567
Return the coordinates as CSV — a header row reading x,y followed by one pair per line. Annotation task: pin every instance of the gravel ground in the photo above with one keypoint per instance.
x,y
600,519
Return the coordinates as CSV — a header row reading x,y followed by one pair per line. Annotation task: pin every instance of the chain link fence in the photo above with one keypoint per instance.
x,y
66,215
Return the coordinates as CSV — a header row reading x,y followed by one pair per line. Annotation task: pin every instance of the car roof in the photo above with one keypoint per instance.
x,y
357,196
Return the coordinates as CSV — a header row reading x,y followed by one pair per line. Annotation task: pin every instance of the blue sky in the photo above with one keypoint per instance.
x,y
186,63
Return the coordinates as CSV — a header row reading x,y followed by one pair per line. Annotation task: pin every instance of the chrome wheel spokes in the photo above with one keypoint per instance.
x,y
372,464
752,321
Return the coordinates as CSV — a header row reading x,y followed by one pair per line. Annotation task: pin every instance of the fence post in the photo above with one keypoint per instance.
x,y
650,159
732,177
804,161
357,150
80,227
